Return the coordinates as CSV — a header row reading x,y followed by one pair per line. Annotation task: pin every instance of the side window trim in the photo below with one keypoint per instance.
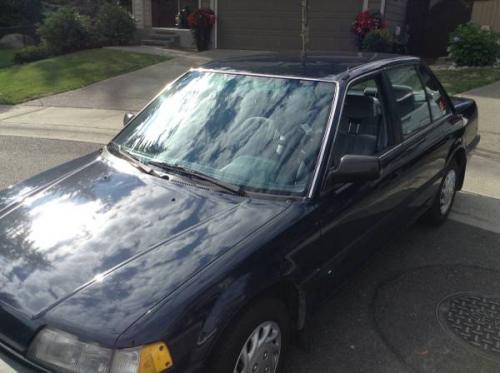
x,y
394,120
421,78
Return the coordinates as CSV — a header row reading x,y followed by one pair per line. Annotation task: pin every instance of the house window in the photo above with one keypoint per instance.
x,y
191,4
205,4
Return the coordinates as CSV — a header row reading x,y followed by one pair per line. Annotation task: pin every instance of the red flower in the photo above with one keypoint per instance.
x,y
202,18
191,21
366,21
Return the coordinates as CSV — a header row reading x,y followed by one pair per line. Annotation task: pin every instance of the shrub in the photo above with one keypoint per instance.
x,y
32,53
379,41
365,22
472,46
201,22
65,30
114,26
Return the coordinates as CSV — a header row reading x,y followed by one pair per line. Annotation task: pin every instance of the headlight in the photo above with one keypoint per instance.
x,y
65,353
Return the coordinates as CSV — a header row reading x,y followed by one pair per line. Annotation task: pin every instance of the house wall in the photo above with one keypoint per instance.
x,y
268,25
393,10
141,10
375,5
276,24
138,12
331,24
487,13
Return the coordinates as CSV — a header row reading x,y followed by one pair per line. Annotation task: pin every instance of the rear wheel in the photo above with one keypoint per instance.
x,y
256,342
443,202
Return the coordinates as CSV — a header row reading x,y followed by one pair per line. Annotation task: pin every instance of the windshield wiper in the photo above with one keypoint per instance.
x,y
200,176
134,161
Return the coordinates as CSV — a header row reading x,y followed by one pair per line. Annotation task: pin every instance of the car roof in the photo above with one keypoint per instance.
x,y
325,66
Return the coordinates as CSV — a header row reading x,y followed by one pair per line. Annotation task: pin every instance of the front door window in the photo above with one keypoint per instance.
x,y
363,126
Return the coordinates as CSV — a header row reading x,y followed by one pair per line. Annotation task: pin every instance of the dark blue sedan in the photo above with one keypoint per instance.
x,y
205,234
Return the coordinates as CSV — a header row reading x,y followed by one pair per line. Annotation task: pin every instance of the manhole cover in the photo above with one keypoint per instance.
x,y
474,319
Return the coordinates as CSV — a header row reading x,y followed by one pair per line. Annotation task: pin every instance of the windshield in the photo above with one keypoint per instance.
x,y
258,133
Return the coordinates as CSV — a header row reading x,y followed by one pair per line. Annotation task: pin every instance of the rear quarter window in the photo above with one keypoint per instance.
x,y
437,100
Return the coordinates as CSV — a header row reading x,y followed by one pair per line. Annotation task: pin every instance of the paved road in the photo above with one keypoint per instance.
x,y
388,317
22,157
392,314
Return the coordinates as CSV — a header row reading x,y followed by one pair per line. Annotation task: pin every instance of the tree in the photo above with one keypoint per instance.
x,y
305,29
20,12
90,7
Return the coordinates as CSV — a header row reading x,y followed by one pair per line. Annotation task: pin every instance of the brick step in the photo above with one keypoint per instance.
x,y
159,43
163,32
171,38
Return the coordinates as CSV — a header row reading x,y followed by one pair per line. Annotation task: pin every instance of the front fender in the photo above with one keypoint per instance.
x,y
240,293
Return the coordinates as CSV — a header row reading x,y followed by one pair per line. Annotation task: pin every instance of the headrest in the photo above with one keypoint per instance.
x,y
371,92
402,92
357,107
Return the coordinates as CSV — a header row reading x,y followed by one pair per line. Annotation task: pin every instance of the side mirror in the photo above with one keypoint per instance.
x,y
127,118
355,168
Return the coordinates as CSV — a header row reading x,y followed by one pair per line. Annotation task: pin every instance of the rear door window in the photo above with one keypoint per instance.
x,y
411,104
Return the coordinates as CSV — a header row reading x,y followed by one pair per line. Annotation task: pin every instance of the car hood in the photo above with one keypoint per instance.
x,y
107,240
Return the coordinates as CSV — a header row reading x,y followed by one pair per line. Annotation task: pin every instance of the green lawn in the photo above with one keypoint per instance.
x,y
6,57
458,81
21,83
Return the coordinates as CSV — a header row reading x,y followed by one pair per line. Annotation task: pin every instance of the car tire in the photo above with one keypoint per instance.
x,y
261,333
443,202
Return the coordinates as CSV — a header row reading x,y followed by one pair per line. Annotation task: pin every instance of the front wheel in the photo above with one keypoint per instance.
x,y
255,343
443,202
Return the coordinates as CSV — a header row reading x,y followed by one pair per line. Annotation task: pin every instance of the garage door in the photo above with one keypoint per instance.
x,y
276,24
259,24
331,24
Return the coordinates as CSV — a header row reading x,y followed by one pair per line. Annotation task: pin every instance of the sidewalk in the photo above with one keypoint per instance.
x,y
95,113
59,123
483,170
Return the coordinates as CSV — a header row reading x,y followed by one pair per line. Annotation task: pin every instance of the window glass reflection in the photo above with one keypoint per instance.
x,y
260,133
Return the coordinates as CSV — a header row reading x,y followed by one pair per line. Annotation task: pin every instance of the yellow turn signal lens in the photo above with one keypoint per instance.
x,y
155,358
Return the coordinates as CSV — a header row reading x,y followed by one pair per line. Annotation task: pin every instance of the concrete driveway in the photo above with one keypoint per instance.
x,y
132,91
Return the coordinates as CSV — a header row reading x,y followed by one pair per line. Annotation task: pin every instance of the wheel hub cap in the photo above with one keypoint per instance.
x,y
261,351
448,191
